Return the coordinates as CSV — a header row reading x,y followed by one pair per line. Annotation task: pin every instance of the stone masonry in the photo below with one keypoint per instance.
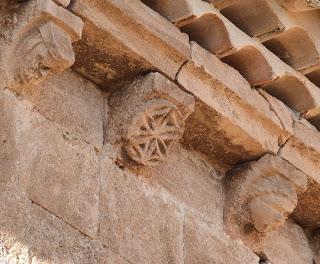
x,y
159,131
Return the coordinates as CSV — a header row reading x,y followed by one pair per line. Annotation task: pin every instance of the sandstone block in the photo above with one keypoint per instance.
x,y
194,182
303,150
72,102
120,39
135,222
60,174
265,65
31,235
288,244
227,126
204,245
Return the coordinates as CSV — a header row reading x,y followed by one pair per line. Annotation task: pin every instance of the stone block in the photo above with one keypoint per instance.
x,y
303,150
135,222
60,174
288,244
227,126
72,102
31,235
203,245
120,39
194,182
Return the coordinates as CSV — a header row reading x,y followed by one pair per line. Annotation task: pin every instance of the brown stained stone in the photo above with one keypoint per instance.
x,y
202,244
147,118
135,222
227,126
60,174
194,182
31,235
63,3
37,42
288,244
72,102
261,195
56,172
120,39
10,117
302,150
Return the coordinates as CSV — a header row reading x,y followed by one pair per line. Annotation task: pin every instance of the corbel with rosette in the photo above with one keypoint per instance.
x,y
147,119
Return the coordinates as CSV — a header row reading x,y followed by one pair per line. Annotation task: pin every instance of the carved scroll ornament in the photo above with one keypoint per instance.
x,y
263,194
42,50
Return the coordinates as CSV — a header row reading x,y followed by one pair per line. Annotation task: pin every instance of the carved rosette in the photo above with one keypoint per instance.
x,y
262,194
154,132
148,118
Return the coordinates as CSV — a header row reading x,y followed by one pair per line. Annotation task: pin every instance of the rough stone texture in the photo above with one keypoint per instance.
x,y
221,125
58,173
204,245
147,118
193,182
112,47
66,197
75,104
302,150
135,222
261,194
37,42
288,244
30,235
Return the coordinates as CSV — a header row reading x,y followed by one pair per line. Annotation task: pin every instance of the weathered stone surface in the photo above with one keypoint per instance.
x,y
64,3
60,174
31,235
10,116
286,245
295,47
147,119
194,182
281,110
232,123
262,194
56,172
300,5
303,150
38,42
204,245
135,221
120,39
72,102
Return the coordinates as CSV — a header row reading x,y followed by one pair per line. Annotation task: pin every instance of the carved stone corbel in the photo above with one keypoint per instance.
x,y
148,118
42,50
40,42
262,194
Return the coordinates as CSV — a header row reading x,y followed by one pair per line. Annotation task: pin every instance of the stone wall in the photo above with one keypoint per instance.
x,y
152,149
